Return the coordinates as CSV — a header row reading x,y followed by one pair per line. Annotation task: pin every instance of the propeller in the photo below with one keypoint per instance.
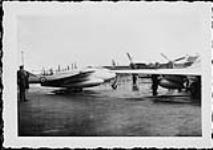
x,y
175,60
130,58
179,59
172,62
114,83
113,63
132,64
164,56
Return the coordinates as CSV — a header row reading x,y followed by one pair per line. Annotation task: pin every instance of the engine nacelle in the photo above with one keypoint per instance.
x,y
171,84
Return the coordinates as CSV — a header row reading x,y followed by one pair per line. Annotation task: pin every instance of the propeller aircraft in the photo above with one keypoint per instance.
x,y
171,75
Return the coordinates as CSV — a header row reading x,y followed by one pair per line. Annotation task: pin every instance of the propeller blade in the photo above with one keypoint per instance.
x,y
134,82
113,63
132,65
181,58
130,58
164,56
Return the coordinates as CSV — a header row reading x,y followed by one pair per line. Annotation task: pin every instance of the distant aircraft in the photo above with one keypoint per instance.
x,y
181,62
174,74
76,79
171,78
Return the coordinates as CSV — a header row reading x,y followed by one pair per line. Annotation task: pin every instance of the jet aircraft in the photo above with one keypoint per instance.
x,y
75,79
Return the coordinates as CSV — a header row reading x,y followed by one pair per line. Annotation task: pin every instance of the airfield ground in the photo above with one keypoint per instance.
x,y
101,111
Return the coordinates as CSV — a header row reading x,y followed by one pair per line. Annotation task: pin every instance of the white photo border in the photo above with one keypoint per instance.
x,y
10,65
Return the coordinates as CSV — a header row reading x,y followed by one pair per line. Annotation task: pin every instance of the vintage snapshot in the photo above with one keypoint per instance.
x,y
124,74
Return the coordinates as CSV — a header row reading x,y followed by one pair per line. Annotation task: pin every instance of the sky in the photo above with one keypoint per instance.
x,y
96,34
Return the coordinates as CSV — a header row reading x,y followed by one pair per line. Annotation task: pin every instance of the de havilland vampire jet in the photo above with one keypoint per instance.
x,y
75,79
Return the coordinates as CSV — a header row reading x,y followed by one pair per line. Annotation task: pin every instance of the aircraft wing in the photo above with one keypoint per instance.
x,y
66,78
184,71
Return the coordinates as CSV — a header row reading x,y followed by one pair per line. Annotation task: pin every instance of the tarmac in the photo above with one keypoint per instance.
x,y
102,111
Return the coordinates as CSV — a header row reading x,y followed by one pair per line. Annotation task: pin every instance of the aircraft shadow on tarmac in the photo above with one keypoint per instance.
x,y
67,92
84,93
165,99
176,100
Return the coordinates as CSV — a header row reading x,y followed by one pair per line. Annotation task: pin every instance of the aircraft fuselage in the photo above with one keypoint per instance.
x,y
86,78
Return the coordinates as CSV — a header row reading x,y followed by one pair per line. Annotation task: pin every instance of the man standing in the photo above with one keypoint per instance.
x,y
23,84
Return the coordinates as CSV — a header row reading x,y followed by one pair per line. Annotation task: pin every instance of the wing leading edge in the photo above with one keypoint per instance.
x,y
161,71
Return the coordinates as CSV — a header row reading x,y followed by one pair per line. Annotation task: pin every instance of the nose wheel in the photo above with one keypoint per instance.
x,y
114,85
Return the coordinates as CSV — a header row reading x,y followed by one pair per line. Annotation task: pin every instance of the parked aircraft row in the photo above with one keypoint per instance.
x,y
172,76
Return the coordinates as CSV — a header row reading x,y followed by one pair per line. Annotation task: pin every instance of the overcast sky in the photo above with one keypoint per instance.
x,y
96,34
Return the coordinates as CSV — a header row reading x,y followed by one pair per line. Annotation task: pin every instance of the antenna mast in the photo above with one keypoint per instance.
x,y
22,57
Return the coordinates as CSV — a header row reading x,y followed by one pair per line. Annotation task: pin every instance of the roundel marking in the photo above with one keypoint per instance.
x,y
43,79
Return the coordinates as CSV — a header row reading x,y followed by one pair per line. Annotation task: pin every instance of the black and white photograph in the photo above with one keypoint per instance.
x,y
124,71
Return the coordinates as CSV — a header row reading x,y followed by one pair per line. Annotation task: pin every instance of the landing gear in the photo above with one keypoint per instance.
x,y
179,90
155,82
154,91
134,88
114,85
75,90
134,82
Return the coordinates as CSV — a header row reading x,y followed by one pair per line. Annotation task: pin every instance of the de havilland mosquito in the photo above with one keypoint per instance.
x,y
171,75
